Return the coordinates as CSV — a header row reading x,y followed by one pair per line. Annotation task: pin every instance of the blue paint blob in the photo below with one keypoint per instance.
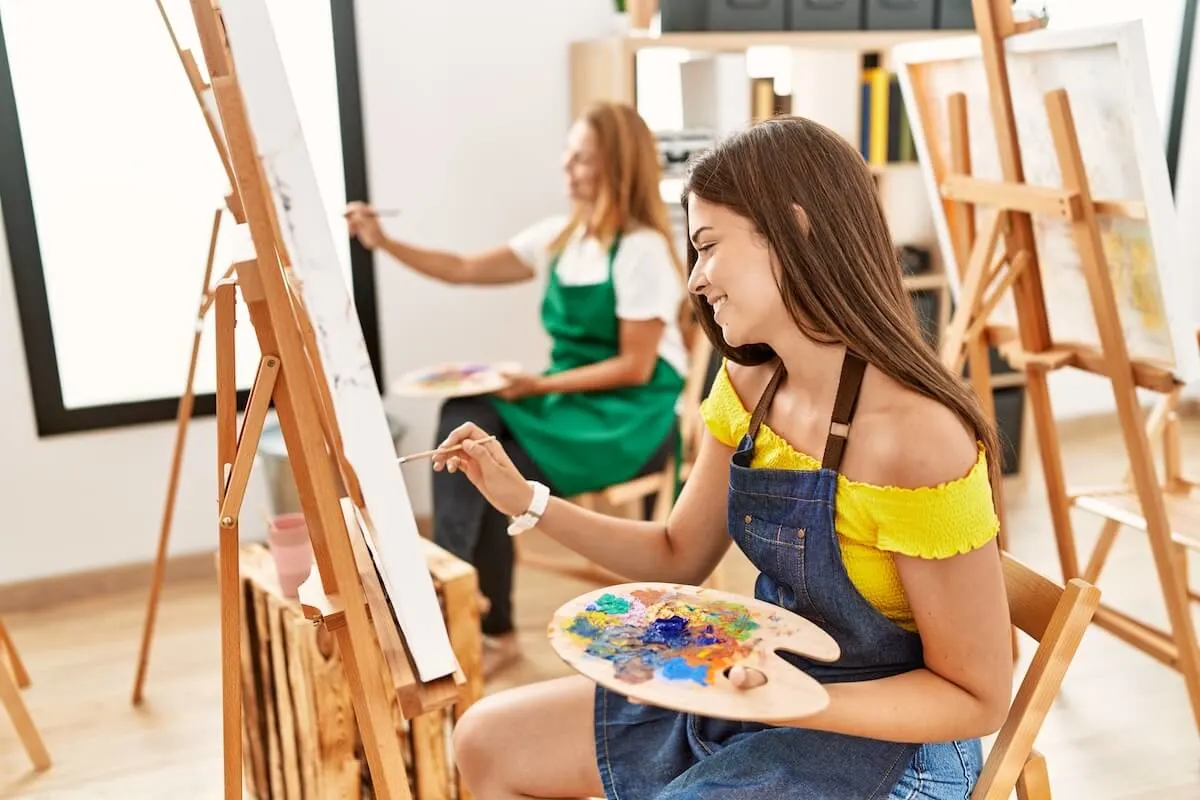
x,y
669,631
707,636
677,669
582,626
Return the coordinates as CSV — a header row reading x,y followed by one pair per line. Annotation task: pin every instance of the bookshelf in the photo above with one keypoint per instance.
x,y
836,79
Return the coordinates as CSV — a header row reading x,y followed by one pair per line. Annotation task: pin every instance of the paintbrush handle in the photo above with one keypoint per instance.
x,y
435,451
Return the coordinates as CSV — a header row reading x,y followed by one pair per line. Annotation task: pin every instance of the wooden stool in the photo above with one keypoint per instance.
x,y
298,717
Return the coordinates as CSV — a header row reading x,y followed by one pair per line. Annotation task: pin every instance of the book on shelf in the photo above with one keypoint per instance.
x,y
885,136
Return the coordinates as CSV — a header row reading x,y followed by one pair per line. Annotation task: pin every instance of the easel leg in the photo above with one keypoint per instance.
x,y
1168,556
14,658
10,698
183,416
229,587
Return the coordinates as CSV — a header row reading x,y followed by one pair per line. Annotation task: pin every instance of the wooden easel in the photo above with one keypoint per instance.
x,y
1141,503
183,414
291,375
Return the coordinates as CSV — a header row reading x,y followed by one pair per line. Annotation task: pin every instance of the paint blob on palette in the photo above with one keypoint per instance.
x,y
666,633
457,379
672,645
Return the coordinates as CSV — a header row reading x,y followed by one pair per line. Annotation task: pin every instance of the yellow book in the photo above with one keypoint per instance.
x,y
877,140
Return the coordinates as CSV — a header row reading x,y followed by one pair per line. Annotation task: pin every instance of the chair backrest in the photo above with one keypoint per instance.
x,y
1056,618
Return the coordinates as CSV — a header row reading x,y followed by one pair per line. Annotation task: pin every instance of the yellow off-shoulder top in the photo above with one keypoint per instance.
x,y
872,522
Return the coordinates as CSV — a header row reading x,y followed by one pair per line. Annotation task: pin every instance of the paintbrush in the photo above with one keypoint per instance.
x,y
380,212
435,451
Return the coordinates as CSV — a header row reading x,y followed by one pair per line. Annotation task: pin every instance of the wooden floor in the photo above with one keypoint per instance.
x,y
1122,728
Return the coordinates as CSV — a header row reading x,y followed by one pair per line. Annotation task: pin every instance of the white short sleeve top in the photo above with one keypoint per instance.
x,y
645,279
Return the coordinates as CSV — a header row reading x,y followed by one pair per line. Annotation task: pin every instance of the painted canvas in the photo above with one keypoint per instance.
x,y
357,404
1106,74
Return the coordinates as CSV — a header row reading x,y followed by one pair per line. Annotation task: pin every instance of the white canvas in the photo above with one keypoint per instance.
x,y
1106,74
358,407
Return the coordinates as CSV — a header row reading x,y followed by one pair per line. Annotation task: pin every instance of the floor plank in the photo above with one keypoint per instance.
x,y
1122,729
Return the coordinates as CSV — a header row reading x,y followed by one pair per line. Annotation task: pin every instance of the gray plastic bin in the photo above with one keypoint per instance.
x,y
683,16
900,15
281,485
825,15
746,15
955,14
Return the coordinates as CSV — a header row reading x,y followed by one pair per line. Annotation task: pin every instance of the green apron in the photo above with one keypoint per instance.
x,y
586,441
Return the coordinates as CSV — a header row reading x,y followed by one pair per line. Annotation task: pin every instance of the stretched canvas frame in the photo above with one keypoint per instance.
x,y
358,412
1105,71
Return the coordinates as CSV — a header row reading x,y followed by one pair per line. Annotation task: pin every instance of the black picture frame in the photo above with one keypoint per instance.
x,y
52,417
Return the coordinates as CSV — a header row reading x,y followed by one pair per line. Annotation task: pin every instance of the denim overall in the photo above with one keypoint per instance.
x,y
783,520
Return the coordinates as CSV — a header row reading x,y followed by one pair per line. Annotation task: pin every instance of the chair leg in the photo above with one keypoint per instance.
x,y
1034,782
10,696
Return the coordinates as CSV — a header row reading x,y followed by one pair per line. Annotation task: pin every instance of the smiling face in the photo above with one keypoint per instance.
x,y
735,274
581,163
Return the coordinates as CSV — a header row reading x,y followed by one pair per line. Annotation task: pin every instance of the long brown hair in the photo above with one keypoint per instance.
x,y
839,276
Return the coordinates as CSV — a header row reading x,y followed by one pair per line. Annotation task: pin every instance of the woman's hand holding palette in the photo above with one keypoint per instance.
x,y
672,646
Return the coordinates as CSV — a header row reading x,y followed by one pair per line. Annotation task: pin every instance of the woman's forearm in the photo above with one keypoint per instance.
x,y
918,706
612,373
437,264
635,549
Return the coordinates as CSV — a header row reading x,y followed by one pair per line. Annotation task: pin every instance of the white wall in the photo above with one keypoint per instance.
x,y
467,164
466,116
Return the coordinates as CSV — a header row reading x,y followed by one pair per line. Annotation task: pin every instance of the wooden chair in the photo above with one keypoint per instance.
x,y
628,499
11,682
1056,618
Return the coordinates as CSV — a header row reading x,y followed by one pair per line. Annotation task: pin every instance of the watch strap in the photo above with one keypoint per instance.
x,y
537,507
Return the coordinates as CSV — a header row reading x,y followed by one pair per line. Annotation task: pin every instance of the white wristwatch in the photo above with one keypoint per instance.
x,y
537,507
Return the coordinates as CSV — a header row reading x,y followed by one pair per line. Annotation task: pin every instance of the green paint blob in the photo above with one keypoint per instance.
x,y
611,604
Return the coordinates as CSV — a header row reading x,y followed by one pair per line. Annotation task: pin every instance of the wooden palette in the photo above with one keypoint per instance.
x,y
454,379
671,645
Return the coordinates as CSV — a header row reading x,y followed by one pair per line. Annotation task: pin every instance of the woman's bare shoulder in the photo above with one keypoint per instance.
x,y
749,381
915,440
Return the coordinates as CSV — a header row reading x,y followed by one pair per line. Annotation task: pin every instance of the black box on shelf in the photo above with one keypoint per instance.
x,y
1010,418
927,304
746,15
913,260
683,16
955,14
825,15
996,364
900,15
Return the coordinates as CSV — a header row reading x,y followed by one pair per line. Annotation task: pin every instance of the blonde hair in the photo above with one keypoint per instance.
x,y
628,192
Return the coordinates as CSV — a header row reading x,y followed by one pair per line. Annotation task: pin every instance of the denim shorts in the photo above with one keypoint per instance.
x,y
941,771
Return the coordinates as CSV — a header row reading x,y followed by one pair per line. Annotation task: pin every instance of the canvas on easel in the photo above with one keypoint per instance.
x,y
1047,144
370,564
1121,143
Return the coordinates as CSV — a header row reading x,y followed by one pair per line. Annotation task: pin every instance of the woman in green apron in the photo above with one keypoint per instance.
x,y
603,410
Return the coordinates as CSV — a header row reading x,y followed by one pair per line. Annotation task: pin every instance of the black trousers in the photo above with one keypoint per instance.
x,y
465,524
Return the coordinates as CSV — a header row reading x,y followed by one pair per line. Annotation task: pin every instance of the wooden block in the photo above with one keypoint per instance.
x,y
301,739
